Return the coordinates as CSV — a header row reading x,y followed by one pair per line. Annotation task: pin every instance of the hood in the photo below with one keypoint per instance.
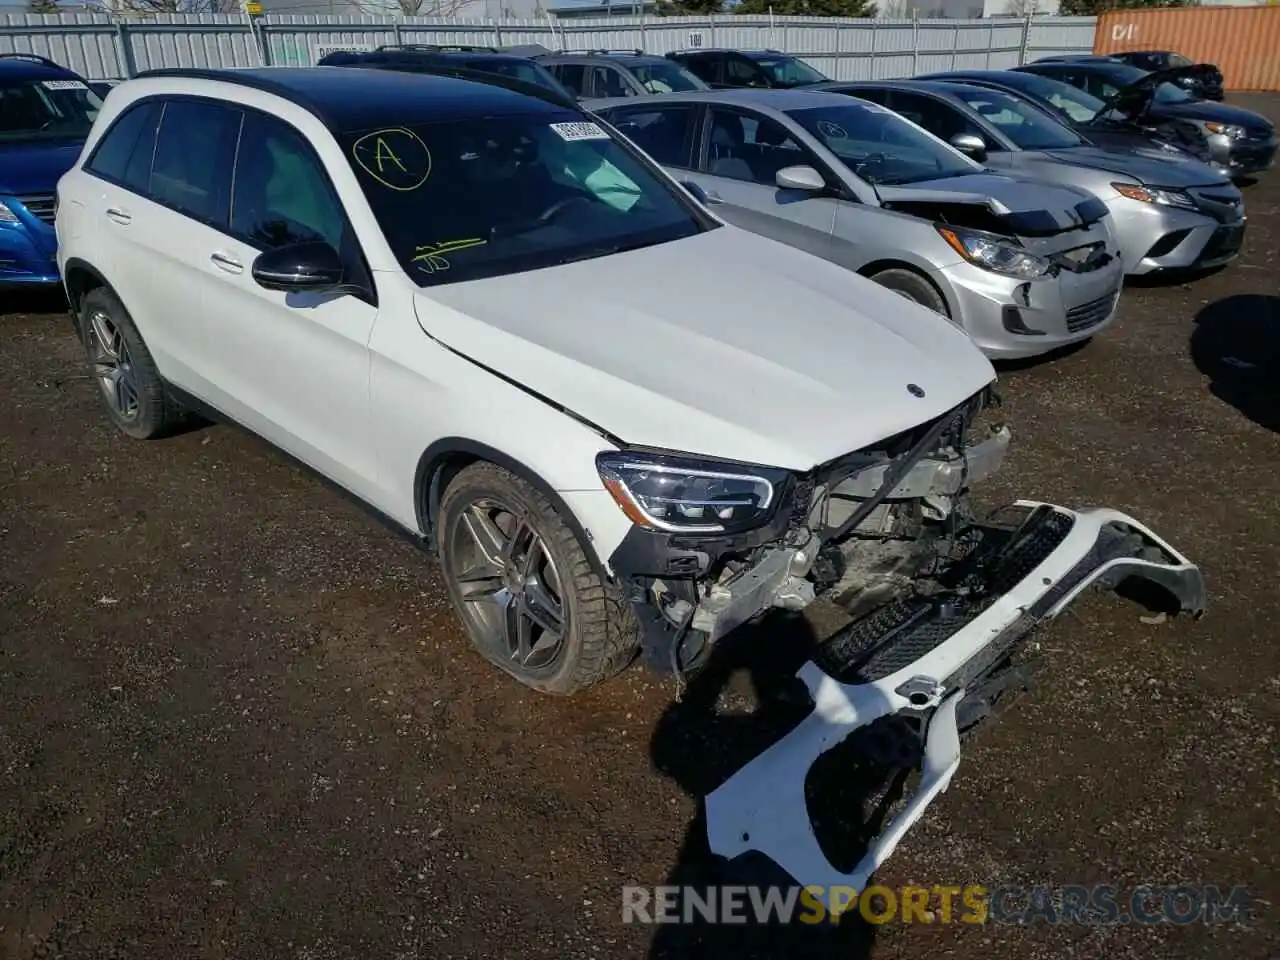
x,y
1150,165
1025,207
1135,98
1211,110
723,344
36,166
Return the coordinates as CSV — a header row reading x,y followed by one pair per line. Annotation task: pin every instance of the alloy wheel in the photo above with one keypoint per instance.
x,y
511,592
112,365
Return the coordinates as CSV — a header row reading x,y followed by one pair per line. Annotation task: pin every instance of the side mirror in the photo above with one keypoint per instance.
x,y
970,145
698,193
310,266
800,177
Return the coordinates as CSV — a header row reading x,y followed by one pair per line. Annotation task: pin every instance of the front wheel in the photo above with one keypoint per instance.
x,y
531,602
907,283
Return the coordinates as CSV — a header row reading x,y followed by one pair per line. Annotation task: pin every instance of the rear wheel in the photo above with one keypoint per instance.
x,y
521,581
907,283
129,384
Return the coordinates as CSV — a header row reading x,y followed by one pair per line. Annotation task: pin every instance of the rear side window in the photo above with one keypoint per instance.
x,y
741,72
609,83
702,67
664,133
194,158
123,155
572,75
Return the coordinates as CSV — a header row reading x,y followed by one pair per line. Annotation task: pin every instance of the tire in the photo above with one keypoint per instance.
x,y
129,385
530,574
914,287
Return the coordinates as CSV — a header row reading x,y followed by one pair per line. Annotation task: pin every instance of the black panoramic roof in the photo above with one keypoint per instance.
x,y
348,100
937,85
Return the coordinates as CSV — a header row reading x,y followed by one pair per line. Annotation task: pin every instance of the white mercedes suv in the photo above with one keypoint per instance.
x,y
622,424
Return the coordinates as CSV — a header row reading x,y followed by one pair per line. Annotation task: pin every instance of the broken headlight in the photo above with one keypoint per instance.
x,y
994,253
682,495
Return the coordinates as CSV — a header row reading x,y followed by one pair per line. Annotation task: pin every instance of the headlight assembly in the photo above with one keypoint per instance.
x,y
682,495
1165,198
7,215
1229,130
994,253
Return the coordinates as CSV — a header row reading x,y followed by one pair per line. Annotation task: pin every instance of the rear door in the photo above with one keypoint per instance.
x,y
740,155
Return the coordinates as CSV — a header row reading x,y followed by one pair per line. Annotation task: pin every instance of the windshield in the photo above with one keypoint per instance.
x,y
1028,127
881,147
46,110
524,70
482,197
1071,102
788,71
666,77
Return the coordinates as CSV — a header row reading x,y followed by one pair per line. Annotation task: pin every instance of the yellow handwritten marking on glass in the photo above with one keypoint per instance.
x,y
429,257
396,158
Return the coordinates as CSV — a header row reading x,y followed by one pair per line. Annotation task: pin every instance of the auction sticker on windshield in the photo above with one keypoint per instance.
x,y
64,85
579,131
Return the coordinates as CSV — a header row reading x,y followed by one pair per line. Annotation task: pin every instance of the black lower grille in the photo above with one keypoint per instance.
x,y
41,205
1225,242
1090,314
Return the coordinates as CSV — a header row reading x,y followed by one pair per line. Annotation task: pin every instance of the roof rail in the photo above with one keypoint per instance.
x,y
434,48
33,58
604,53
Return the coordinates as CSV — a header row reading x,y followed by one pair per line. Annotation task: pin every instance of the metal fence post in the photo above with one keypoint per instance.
x,y
124,47
497,34
1026,36
875,33
395,33
915,41
711,18
991,38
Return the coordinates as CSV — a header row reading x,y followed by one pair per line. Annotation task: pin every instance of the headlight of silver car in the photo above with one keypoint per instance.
x,y
682,495
994,253
1229,130
1165,198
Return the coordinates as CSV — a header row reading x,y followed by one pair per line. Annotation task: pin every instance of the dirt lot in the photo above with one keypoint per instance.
x,y
238,719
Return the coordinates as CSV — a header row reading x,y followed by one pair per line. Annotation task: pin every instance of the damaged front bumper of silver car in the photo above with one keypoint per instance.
x,y
933,660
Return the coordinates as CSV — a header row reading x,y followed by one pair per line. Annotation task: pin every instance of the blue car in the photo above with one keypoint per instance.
x,y
45,115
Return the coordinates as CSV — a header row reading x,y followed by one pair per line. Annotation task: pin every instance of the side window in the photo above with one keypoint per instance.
x,y
750,148
609,83
124,153
874,96
741,72
940,119
282,194
664,133
573,76
702,67
193,159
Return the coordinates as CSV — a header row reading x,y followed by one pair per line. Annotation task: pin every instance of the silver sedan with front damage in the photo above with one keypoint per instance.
x,y
1168,213
1022,266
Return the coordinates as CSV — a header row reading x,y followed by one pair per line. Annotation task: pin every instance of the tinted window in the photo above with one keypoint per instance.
x,y
281,193
46,109
941,119
1177,60
663,76
875,96
1027,126
751,148
664,133
124,152
788,71
193,160
741,72
879,146
487,196
572,75
702,66
609,82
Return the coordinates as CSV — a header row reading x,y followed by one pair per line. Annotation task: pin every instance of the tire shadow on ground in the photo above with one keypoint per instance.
x,y
1236,344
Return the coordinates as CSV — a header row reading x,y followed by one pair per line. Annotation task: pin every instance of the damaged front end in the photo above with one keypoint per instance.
x,y
936,602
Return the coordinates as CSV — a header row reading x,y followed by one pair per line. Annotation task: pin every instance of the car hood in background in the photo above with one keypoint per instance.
x,y
36,166
1212,110
724,344
1027,207
1150,165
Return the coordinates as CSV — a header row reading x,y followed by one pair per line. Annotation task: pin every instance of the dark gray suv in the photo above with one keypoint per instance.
x,y
607,74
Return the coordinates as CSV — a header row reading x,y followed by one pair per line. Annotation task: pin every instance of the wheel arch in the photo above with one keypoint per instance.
x,y
448,456
78,278
889,263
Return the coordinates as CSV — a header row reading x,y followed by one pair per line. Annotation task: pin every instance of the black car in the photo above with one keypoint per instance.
x,y
1206,87
606,74
449,61
1242,140
747,68
1086,114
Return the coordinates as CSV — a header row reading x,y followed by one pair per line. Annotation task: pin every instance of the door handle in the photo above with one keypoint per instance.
x,y
118,215
226,262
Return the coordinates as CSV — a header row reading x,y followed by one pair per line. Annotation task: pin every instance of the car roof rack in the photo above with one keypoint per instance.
x,y
434,48
600,52
33,58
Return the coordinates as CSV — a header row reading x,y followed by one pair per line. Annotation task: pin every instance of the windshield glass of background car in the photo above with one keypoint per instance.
x,y
788,71
1073,102
464,199
666,78
879,146
1027,126
46,109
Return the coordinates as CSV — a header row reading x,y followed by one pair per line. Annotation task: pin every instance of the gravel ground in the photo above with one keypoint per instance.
x,y
238,719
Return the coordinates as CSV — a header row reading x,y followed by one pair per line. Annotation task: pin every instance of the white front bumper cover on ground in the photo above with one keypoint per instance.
x,y
762,807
